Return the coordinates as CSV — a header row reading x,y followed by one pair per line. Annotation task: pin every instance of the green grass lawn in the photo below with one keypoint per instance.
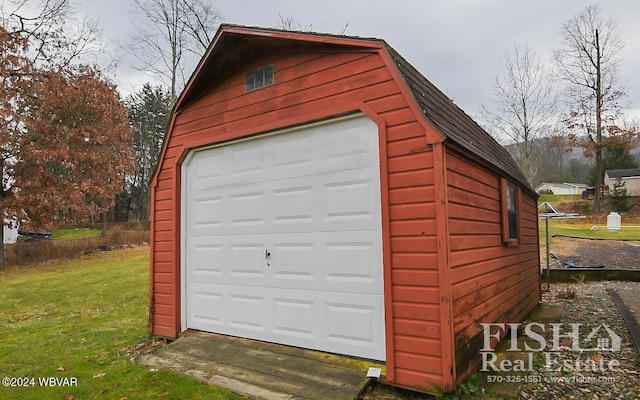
x,y
75,233
73,320
583,230
555,199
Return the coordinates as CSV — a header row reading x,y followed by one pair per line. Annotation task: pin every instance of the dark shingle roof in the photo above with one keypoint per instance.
x,y
623,173
453,123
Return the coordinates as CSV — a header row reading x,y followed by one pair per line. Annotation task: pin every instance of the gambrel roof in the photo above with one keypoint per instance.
x,y
233,43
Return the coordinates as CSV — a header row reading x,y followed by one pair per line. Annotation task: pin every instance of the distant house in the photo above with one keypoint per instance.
x,y
560,188
629,176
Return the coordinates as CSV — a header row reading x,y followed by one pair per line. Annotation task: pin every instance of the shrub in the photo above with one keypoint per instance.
x,y
25,253
619,199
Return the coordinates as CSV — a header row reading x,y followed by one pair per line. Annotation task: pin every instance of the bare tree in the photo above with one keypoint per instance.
x,y
589,62
58,33
524,105
291,24
166,31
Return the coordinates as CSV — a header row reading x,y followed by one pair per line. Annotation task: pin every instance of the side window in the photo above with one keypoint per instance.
x,y
510,217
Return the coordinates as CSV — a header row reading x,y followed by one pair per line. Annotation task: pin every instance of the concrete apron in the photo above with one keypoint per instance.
x,y
262,370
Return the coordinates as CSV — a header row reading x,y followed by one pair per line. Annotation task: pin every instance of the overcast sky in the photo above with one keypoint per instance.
x,y
456,44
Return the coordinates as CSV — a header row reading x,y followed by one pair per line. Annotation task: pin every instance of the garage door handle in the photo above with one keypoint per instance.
x,y
267,254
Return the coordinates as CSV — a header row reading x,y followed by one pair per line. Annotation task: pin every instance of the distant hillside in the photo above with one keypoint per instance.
x,y
559,165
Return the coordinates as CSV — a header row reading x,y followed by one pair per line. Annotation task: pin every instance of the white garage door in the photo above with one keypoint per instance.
x,y
282,239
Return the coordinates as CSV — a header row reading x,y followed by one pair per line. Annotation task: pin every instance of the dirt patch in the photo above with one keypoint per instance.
x,y
613,254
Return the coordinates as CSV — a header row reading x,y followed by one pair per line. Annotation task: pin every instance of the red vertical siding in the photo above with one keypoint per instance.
x,y
311,87
490,282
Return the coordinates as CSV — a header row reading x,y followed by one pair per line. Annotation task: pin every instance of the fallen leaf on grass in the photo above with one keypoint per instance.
x,y
60,369
69,397
99,375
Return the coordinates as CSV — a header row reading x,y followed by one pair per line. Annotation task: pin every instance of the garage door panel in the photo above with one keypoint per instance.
x,y
294,261
347,324
247,312
326,202
350,200
317,150
207,258
247,260
332,260
282,239
206,307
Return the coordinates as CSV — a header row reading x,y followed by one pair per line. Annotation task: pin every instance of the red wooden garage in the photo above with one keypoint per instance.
x,y
317,191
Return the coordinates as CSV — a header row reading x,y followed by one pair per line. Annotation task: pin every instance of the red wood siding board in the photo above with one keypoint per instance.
x,y
414,277
162,288
408,146
471,185
163,278
457,243
233,86
426,295
308,75
425,261
162,309
163,205
163,215
163,236
164,194
519,306
411,211
412,327
163,299
164,321
163,256
281,97
163,267
413,244
222,131
164,330
165,246
464,197
469,212
165,184
510,274
475,270
387,103
411,178
398,117
416,194
471,170
418,345
166,173
458,258
163,226
491,303
413,379
172,154
423,312
413,227
419,363
467,227
405,131
410,162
